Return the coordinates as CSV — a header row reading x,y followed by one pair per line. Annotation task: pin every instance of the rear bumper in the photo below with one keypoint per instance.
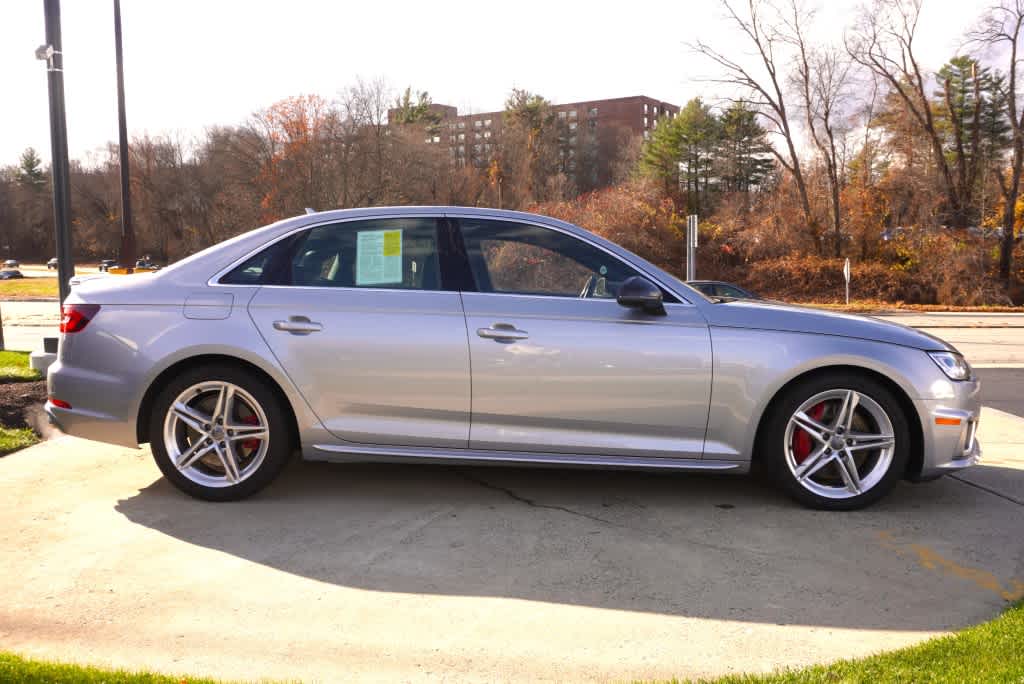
x,y
110,416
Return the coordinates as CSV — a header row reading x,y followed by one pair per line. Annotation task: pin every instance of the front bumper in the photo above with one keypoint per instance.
x,y
950,430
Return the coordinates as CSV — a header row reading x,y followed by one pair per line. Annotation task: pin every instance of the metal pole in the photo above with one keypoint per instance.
x,y
59,167
691,247
127,253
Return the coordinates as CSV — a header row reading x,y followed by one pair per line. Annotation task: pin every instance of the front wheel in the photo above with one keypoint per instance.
x,y
219,433
837,442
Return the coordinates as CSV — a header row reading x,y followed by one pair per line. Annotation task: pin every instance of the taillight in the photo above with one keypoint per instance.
x,y
74,317
60,403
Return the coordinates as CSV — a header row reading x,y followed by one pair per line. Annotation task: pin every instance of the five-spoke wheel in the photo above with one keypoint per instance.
x,y
219,433
837,441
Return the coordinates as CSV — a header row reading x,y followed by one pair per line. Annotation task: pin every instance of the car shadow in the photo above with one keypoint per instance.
x,y
699,546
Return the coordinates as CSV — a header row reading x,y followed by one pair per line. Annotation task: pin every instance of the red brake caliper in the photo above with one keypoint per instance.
x,y
255,443
802,440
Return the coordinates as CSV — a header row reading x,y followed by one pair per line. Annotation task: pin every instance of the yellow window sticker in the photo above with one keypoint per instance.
x,y
392,243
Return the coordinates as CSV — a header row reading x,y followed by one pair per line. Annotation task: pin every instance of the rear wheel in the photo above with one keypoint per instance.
x,y
219,433
837,442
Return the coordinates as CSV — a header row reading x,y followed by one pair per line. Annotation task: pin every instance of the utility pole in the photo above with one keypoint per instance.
x,y
691,247
59,167
126,258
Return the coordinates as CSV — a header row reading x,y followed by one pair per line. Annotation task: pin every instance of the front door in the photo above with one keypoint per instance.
x,y
559,366
358,318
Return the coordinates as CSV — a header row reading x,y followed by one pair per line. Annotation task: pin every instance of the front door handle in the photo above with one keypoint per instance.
x,y
502,332
298,325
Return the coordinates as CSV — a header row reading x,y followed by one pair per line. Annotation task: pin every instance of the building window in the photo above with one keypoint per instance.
x,y
654,124
476,149
561,115
592,124
572,140
647,122
647,135
572,126
478,123
487,147
462,124
476,136
462,148
573,113
487,122
572,153
437,138
487,134
572,164
592,112
462,136
645,107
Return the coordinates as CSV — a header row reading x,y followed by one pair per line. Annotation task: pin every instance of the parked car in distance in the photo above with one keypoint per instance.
x,y
106,264
718,288
146,265
466,335
10,274
11,263
51,265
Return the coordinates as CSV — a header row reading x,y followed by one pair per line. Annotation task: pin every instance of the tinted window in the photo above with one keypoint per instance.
x,y
517,258
730,291
376,253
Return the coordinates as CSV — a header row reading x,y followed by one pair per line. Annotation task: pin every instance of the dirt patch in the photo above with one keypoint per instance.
x,y
20,401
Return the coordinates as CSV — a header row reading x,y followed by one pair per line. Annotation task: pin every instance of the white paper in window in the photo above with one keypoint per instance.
x,y
379,257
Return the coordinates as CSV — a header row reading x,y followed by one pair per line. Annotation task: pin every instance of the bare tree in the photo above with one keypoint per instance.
x,y
766,90
883,42
822,77
1002,29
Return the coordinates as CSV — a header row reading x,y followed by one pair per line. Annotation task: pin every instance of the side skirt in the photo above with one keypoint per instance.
x,y
371,454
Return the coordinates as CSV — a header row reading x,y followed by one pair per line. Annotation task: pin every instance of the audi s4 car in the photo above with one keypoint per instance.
x,y
471,336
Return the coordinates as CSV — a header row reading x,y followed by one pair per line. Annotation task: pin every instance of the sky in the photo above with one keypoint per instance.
x,y
190,64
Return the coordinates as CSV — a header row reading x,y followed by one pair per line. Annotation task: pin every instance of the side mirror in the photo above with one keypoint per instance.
x,y
636,292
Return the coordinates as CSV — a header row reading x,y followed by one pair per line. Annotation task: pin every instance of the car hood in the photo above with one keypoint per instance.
x,y
784,317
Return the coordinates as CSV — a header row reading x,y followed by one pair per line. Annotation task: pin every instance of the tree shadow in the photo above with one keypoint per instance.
x,y
689,545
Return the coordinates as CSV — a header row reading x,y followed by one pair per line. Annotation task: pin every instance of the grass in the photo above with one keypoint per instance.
x,y
12,439
14,668
28,288
989,652
14,367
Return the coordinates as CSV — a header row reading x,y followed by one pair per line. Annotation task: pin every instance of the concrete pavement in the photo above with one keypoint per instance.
x,y
426,573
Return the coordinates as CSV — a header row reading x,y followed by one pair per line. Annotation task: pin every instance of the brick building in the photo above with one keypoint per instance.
x,y
592,133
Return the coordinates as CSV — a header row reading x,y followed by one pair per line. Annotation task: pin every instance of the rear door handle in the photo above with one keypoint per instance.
x,y
298,325
502,331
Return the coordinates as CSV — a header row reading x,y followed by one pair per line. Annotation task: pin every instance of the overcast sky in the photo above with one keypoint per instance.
x,y
190,64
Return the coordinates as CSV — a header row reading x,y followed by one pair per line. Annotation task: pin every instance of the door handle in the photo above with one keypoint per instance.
x,y
298,325
502,332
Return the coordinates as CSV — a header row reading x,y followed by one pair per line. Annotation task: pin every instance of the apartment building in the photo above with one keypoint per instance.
x,y
593,132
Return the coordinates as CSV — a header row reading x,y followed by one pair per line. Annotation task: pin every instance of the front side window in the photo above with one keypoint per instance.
x,y
399,253
517,258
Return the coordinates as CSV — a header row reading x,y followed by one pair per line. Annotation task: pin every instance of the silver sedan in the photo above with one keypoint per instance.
x,y
457,335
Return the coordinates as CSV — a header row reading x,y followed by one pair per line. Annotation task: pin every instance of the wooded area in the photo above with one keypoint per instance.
x,y
806,154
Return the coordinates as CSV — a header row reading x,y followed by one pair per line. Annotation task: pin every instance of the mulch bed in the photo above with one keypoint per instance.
x,y
16,400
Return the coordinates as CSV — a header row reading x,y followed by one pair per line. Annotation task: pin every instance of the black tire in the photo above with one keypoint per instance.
x,y
281,440
772,447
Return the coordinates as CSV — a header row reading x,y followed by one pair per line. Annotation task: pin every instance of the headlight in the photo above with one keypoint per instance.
x,y
952,364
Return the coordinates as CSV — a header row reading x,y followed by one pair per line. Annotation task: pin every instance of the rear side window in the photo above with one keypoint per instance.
x,y
376,253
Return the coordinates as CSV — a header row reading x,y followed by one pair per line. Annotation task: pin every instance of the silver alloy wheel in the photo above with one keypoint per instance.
x,y
849,443
216,434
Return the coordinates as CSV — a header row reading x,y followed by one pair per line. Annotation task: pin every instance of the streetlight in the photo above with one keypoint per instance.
x,y
51,53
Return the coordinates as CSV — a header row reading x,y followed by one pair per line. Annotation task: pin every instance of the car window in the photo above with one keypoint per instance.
x,y
397,253
730,291
517,258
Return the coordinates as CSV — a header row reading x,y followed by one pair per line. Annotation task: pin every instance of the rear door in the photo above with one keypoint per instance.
x,y
358,316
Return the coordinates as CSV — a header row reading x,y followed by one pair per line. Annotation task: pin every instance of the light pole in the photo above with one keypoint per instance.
x,y
52,53
127,254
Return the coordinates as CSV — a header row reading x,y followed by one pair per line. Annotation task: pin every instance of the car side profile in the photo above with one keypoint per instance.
x,y
464,335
